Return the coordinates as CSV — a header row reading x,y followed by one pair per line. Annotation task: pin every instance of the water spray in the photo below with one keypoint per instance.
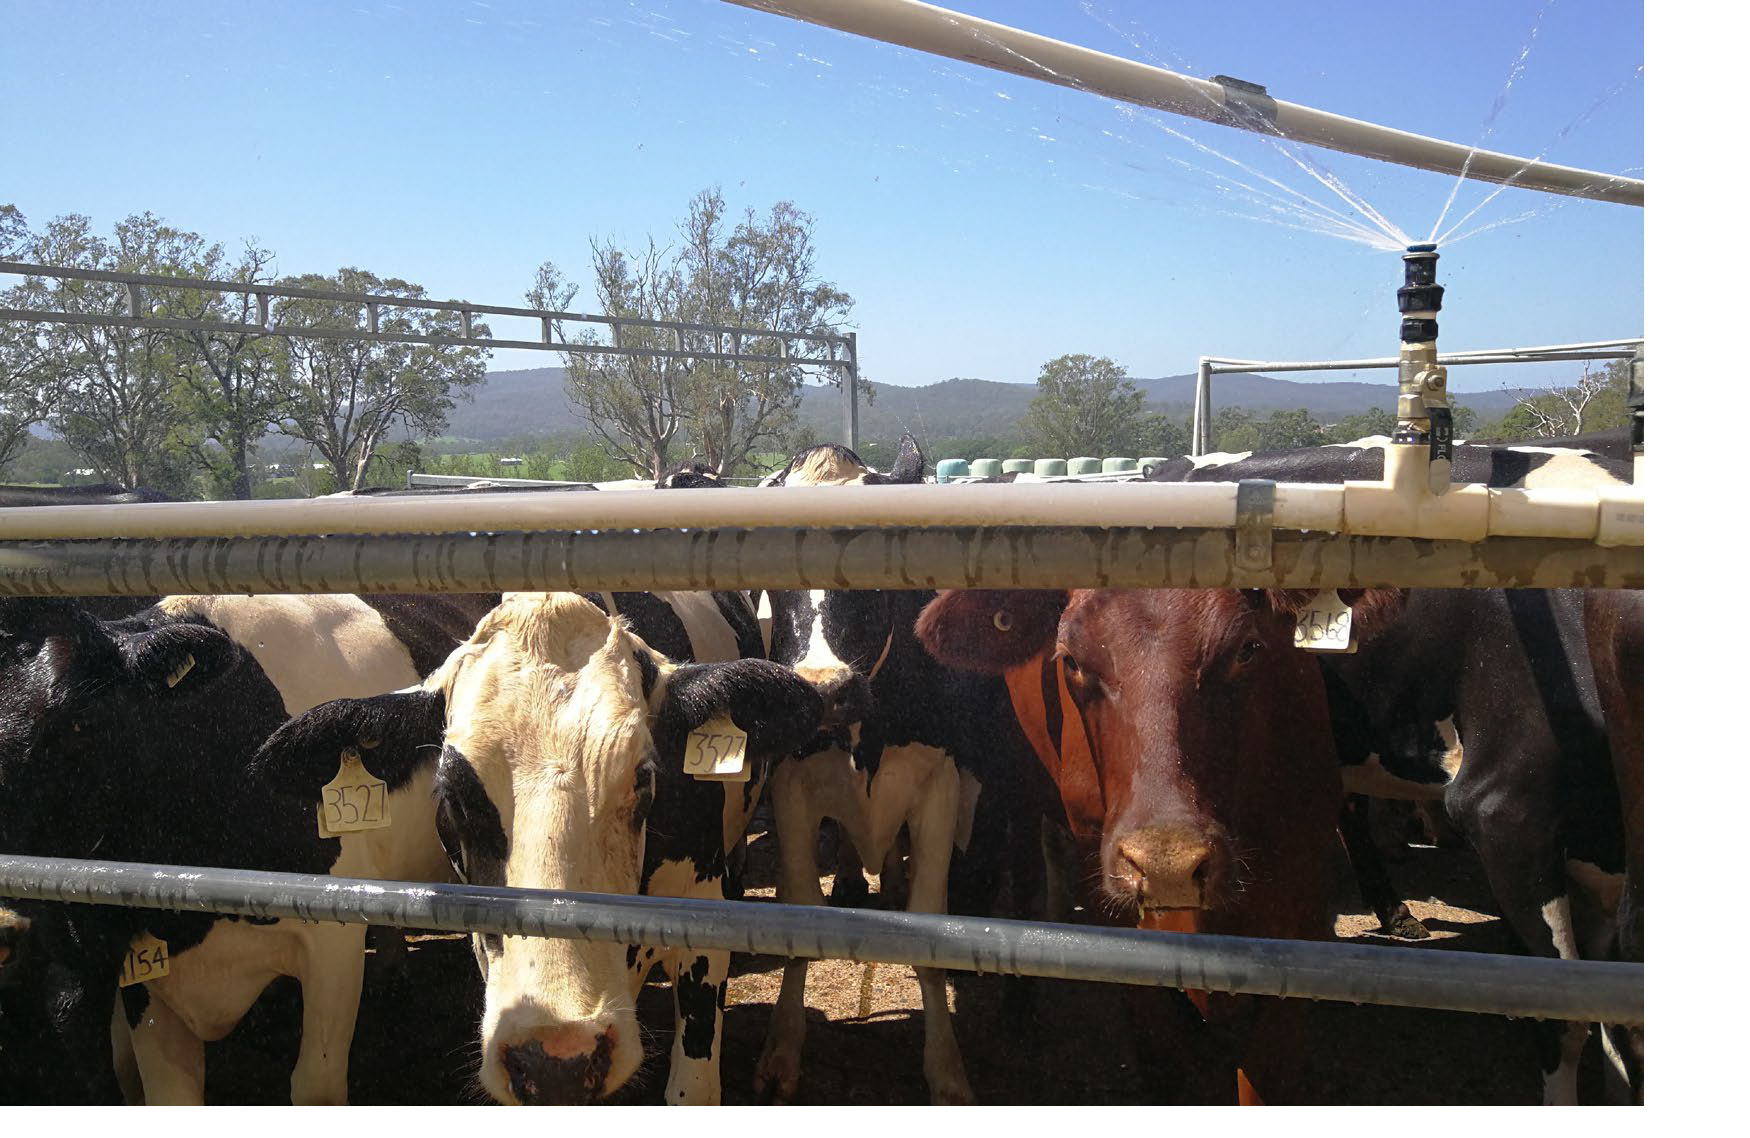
x,y
1424,412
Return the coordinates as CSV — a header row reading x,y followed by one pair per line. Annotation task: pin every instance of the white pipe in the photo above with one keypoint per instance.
x,y
1392,508
955,35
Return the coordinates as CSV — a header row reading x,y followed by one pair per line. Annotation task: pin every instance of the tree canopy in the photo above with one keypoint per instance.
x,y
1086,406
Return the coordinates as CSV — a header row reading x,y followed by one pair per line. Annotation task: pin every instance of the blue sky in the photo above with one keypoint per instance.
x,y
983,223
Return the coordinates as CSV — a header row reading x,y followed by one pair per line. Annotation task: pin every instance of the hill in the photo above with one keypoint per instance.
x,y
532,402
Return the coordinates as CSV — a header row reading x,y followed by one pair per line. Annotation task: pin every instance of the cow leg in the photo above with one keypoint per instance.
x,y
172,1058
797,821
1377,891
332,976
127,1064
933,823
695,1070
1530,884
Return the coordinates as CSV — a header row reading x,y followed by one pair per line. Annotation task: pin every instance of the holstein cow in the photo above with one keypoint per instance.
x,y
1196,791
908,749
1484,699
159,715
562,737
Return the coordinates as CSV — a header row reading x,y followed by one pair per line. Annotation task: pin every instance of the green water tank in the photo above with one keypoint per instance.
x,y
986,467
1017,466
1051,467
951,468
1117,465
1084,465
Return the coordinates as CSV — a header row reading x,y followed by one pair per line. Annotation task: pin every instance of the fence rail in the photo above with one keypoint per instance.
x,y
1590,991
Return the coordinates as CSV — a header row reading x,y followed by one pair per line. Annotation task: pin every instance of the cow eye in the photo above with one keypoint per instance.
x,y
1250,649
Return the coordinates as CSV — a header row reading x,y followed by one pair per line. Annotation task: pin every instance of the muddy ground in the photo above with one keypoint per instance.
x,y
416,1043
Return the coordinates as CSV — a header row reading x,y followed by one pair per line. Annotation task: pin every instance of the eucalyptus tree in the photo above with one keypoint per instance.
x,y
344,396
1086,406
657,412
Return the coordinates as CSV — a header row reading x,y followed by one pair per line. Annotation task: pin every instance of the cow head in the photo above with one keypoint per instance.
x,y
1210,740
96,718
562,729
101,722
838,641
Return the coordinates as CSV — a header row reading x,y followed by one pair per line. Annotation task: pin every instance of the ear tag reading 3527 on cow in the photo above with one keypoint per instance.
x,y
1326,625
148,959
354,800
717,750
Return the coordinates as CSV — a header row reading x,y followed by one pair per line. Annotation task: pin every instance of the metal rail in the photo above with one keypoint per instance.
x,y
1202,412
970,557
840,348
1587,991
1221,100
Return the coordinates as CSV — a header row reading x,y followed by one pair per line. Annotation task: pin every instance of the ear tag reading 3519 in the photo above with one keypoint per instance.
x,y
718,751
354,800
1325,625
148,959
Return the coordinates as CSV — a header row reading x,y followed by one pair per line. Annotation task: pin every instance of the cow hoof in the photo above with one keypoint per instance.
x,y
775,1079
1401,924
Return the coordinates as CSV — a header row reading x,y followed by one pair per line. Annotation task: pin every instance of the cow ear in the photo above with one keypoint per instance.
x,y
394,734
1373,608
990,630
909,465
180,658
778,709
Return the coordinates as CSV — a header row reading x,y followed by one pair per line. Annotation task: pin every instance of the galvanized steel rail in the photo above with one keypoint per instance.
x,y
972,557
1589,991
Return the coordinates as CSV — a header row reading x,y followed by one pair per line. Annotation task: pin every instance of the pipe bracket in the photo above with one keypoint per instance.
x,y
1254,520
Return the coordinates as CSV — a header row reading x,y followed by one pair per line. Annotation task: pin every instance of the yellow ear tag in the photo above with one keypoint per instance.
x,y
354,800
148,959
181,670
717,751
1325,625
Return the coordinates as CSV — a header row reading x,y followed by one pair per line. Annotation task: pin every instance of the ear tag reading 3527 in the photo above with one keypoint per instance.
x,y
354,800
148,959
717,750
1325,625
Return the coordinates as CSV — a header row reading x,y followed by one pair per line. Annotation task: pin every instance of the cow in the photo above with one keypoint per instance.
x,y
1615,640
910,743
164,757
559,737
1194,790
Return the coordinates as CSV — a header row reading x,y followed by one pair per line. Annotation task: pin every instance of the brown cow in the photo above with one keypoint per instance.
x,y
1209,790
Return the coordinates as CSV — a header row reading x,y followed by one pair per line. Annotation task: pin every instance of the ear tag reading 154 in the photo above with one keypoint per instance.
x,y
1325,625
148,959
354,800
717,750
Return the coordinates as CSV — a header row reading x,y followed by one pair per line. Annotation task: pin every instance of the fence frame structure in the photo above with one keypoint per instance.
x,y
1202,413
840,349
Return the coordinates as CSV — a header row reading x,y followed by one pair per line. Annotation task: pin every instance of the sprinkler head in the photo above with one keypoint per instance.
x,y
1419,299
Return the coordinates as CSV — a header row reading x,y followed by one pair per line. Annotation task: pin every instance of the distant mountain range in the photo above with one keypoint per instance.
x,y
532,402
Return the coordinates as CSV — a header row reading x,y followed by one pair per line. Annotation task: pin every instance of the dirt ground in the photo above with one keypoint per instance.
x,y
416,1041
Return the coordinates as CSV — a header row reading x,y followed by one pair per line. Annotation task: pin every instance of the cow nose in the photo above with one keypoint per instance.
x,y
560,1066
845,696
1170,867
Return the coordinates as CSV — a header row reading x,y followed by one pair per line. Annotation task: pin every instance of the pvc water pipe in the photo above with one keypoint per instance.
x,y
1328,508
1585,991
1225,101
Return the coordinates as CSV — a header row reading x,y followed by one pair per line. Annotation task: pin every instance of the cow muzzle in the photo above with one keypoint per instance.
x,y
1170,867
566,1065
844,696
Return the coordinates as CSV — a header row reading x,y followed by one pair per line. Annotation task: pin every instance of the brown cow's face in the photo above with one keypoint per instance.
x,y
1176,688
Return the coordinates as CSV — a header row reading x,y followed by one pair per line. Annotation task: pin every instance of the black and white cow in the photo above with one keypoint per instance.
x,y
561,737
1485,700
911,745
162,760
